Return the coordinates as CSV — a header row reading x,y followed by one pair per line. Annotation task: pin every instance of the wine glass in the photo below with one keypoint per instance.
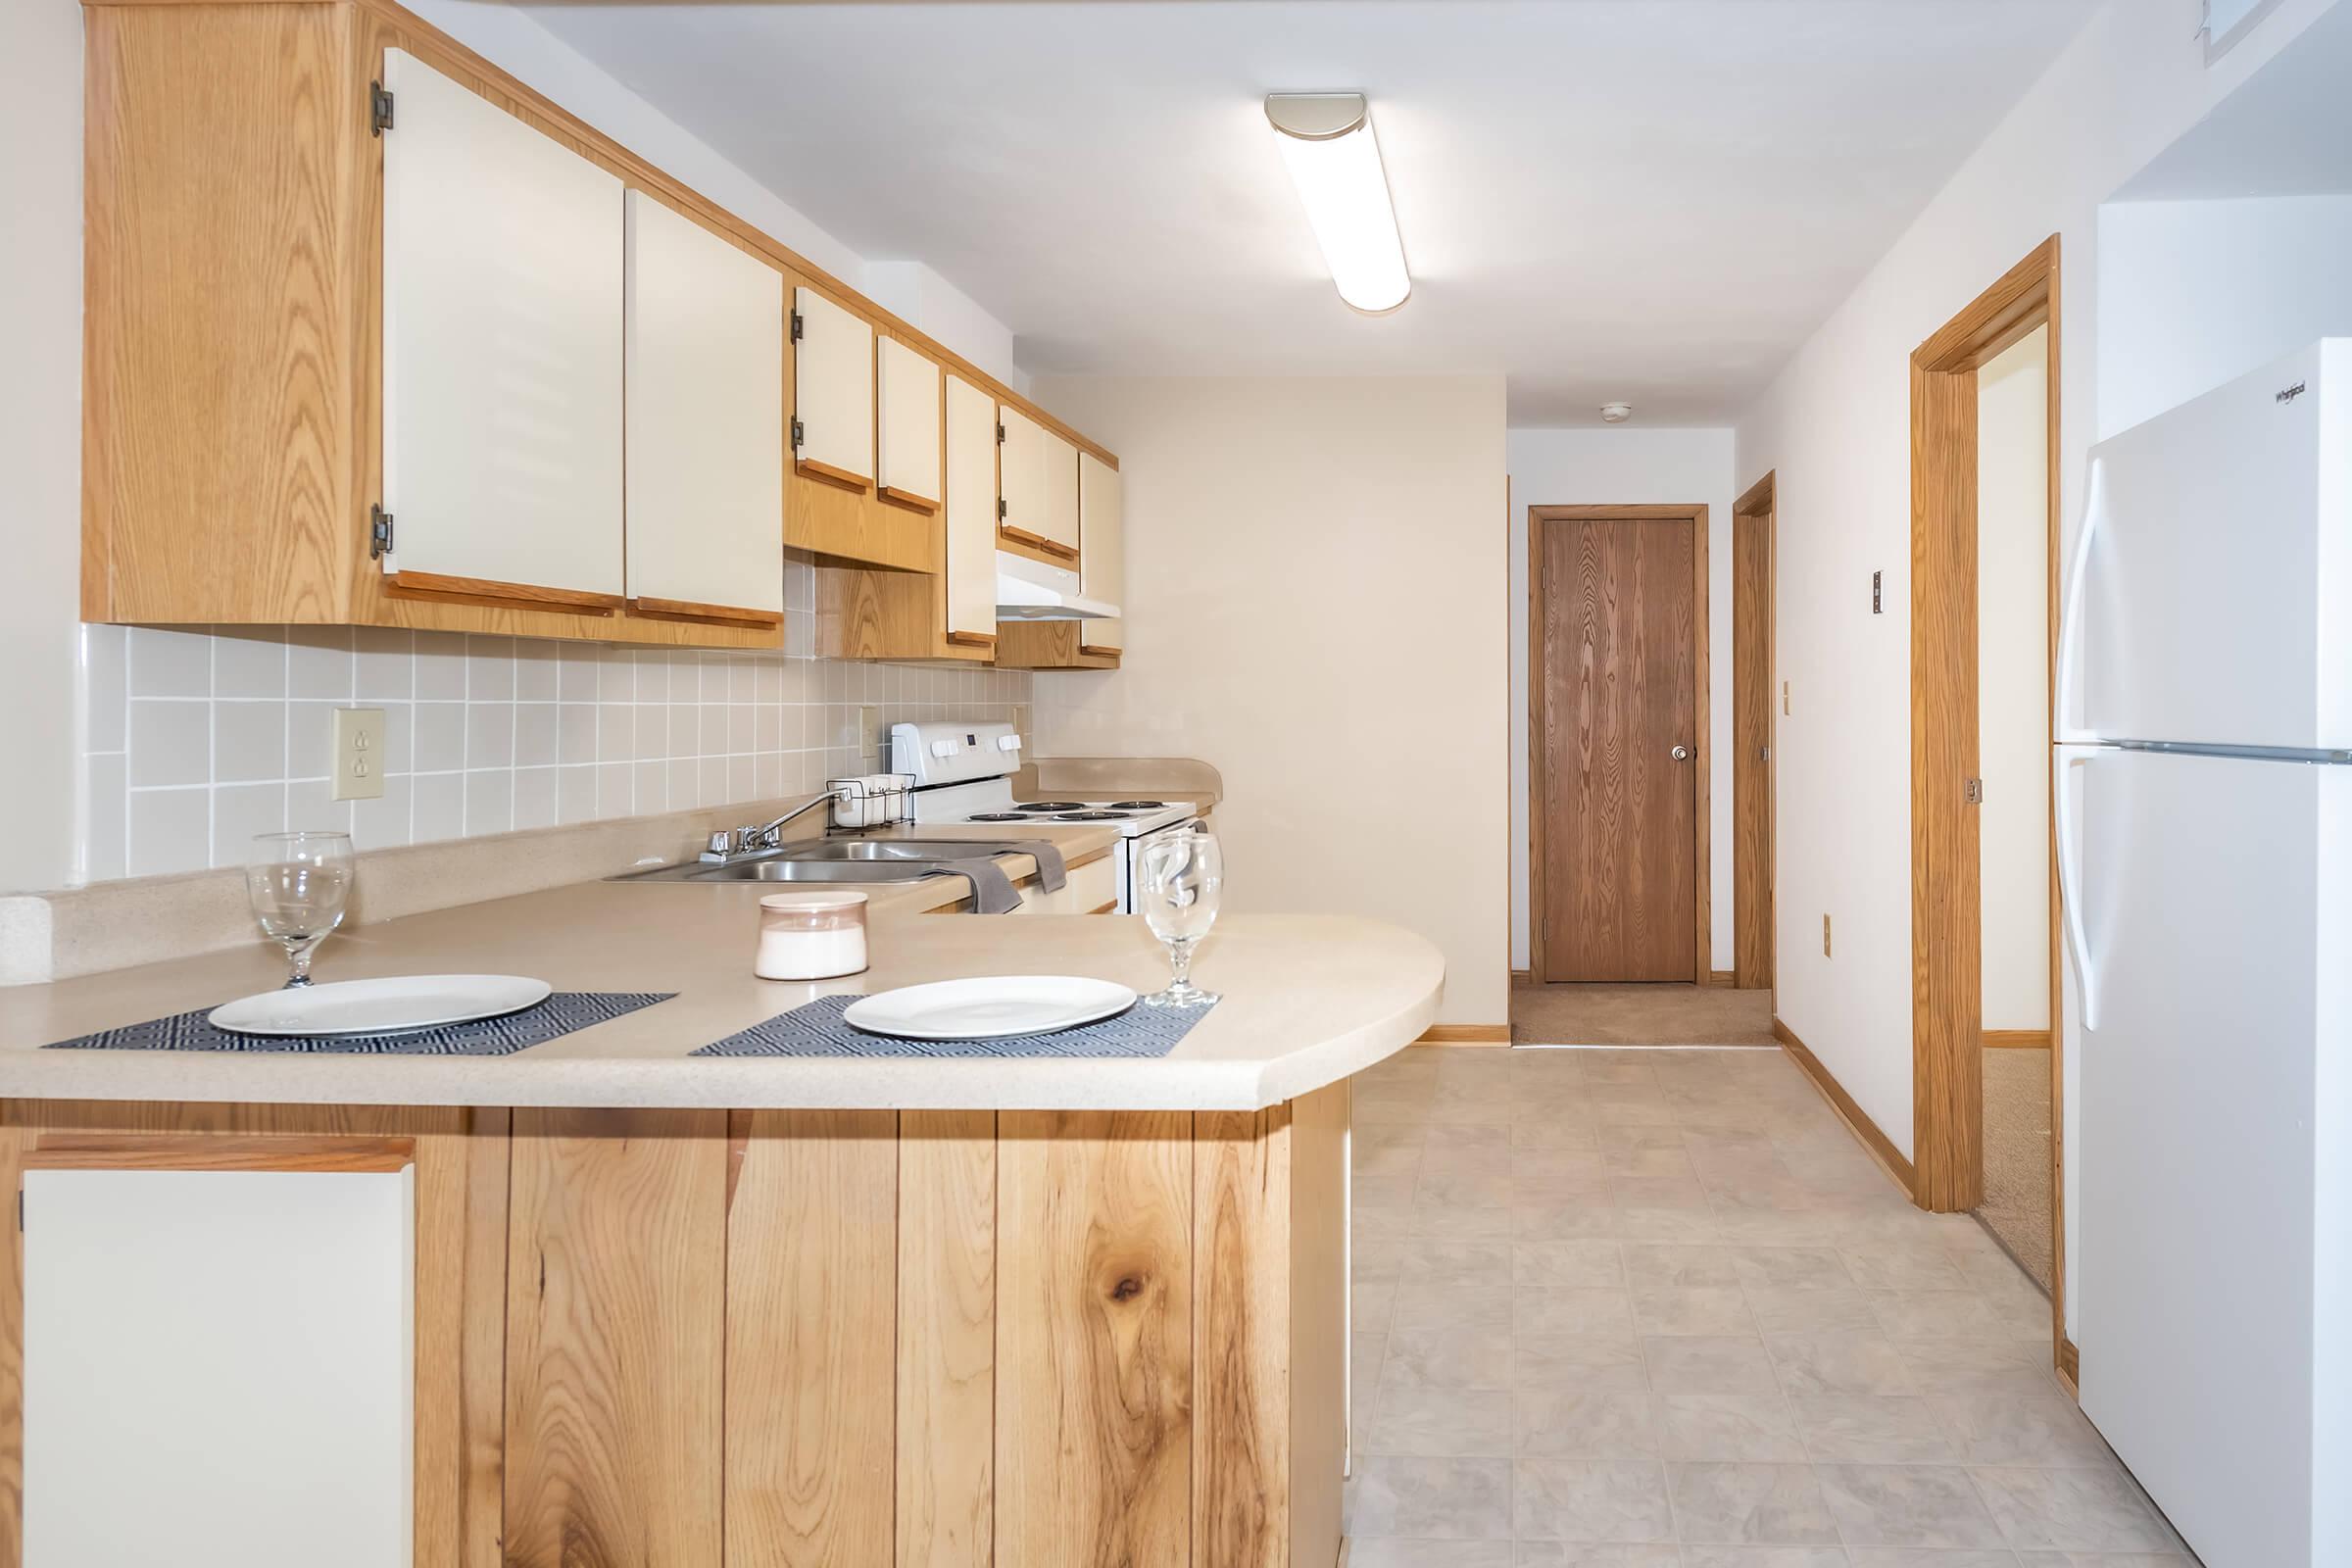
x,y
1181,876
297,883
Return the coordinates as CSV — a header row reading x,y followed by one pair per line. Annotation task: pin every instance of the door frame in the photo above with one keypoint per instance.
x,y
1947,898
1757,507
1538,796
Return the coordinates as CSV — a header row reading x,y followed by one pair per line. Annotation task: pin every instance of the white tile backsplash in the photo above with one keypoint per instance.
x,y
199,740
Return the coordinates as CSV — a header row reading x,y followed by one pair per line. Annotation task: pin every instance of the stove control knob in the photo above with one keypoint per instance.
x,y
945,749
1009,743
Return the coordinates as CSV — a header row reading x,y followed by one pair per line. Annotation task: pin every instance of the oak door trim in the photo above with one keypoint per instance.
x,y
1538,798
1757,508
1946,881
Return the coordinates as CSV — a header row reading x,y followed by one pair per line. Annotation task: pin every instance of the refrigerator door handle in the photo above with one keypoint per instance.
x,y
2070,616
2065,757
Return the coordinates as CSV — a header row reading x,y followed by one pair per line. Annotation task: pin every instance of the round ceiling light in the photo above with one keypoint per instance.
x,y
1616,412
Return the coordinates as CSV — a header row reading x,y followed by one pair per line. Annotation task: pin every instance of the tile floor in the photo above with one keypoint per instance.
x,y
1659,1309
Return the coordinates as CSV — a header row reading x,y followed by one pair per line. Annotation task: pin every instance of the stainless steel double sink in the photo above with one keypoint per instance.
x,y
878,860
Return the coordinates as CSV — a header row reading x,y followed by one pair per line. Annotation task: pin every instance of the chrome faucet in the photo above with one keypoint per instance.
x,y
728,846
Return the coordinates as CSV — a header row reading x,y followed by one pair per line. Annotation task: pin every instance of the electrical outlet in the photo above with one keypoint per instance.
x,y
869,730
1825,936
358,761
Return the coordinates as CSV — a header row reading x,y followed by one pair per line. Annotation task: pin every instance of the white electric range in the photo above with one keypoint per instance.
x,y
964,774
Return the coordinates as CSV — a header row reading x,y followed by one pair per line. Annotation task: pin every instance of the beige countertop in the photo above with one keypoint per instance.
x,y
1309,1000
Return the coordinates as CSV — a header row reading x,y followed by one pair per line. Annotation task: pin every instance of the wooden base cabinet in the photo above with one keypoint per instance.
x,y
700,1339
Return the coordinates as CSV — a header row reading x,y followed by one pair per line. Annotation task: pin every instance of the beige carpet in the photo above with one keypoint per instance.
x,y
2017,1157
1638,1015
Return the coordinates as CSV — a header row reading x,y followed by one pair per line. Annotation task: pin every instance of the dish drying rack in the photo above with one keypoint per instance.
x,y
871,801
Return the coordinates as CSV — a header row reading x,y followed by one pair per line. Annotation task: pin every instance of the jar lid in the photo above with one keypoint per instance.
x,y
838,898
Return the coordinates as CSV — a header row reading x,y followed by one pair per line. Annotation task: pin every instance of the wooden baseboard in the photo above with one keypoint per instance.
x,y
1522,977
1881,1147
2070,1367
2015,1039
1722,978
1466,1034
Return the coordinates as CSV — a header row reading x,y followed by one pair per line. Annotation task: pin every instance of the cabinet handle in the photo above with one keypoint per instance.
x,y
908,499
528,596
690,610
1038,541
811,468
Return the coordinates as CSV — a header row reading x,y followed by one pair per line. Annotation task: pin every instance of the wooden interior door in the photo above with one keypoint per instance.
x,y
1616,659
1752,749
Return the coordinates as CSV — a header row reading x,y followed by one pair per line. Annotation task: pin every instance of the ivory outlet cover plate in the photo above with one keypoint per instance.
x,y
359,763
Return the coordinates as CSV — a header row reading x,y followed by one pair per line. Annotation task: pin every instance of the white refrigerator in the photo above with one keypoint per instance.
x,y
2204,812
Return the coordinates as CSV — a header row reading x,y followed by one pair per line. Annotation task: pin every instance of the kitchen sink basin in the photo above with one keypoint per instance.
x,y
871,849
782,871
871,861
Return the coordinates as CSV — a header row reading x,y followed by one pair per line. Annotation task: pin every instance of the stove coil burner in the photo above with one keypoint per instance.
x,y
1138,806
1051,806
998,816
1092,816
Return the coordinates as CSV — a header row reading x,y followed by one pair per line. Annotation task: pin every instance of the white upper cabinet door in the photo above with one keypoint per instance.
x,y
908,440
706,427
1061,526
501,328
1102,547
1022,475
971,502
833,390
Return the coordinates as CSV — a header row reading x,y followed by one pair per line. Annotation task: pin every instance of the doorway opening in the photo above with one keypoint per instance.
x,y
1983,529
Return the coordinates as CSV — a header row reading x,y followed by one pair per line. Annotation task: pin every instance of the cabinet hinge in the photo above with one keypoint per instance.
x,y
799,434
1974,792
379,534
796,327
999,434
379,108
1001,512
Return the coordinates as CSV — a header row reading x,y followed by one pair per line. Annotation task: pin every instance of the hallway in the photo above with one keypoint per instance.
x,y
1659,1309
1638,1015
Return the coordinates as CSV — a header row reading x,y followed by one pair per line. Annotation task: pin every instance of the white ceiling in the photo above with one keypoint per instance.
x,y
1652,199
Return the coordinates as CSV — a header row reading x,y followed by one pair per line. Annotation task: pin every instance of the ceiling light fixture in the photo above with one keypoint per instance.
x,y
1616,412
1335,162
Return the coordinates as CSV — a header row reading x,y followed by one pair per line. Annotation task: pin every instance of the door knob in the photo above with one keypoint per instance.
x,y
1680,753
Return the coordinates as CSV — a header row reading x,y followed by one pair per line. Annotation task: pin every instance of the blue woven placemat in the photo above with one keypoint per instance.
x,y
818,1029
559,1015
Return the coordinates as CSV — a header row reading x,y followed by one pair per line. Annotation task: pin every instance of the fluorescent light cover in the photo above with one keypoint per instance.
x,y
1335,162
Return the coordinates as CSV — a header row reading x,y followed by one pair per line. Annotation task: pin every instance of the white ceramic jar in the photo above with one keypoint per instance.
x,y
810,936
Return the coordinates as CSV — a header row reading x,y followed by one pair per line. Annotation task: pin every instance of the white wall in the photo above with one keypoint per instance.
x,y
2012,675
1834,426
66,820
1316,595
1630,467
2193,294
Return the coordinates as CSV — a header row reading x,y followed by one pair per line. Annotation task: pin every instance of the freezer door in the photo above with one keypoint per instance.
x,y
2221,547
2214,933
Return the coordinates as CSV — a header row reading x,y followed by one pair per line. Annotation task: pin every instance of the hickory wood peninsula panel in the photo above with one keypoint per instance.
x,y
695,1338
233,352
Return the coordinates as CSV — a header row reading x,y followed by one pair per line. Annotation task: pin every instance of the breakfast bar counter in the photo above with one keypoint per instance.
x,y
717,1312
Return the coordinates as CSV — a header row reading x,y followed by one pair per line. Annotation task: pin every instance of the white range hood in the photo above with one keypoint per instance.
x,y
1031,590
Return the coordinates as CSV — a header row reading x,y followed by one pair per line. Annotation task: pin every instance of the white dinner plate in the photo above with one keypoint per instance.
x,y
402,1004
994,1007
